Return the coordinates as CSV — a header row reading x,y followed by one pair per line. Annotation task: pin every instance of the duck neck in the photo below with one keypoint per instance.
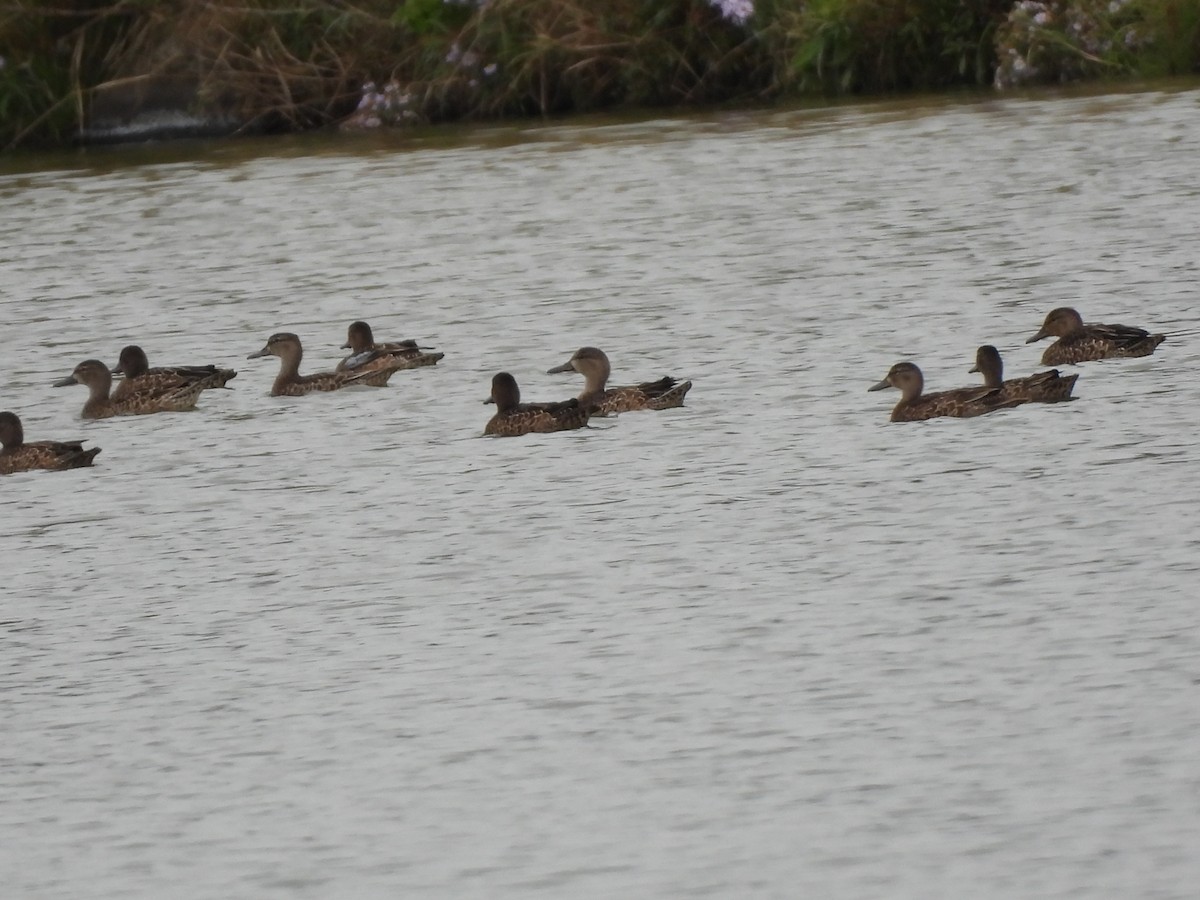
x,y
99,390
98,397
289,369
12,436
134,369
593,385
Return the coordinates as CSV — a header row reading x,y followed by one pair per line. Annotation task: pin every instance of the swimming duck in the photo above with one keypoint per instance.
x,y
289,382
141,379
18,456
916,407
1078,342
100,405
367,355
514,417
1043,387
593,365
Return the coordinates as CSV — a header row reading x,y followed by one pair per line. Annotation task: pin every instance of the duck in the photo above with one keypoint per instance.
x,y
290,383
100,405
367,355
18,456
141,379
1078,342
916,407
592,363
1042,387
515,418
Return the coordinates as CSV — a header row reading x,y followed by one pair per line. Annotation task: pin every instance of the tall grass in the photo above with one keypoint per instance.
x,y
1058,41
1171,29
272,65
886,45
268,67
549,56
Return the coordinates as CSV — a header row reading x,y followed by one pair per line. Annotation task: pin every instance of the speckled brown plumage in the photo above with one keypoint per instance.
x,y
1042,387
962,403
141,379
18,456
515,418
385,359
1078,342
289,382
593,365
100,405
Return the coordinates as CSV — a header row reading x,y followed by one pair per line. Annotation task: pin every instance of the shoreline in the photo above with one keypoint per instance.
x,y
516,131
82,76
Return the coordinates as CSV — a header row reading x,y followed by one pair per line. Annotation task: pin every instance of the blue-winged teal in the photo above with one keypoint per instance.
x,y
1078,342
95,375
514,417
1042,387
18,456
289,382
593,365
141,379
916,407
366,355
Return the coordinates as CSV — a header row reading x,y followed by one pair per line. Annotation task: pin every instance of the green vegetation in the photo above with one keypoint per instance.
x,y
1057,42
273,66
875,45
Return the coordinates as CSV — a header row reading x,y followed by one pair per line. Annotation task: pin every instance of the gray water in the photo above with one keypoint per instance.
x,y
766,645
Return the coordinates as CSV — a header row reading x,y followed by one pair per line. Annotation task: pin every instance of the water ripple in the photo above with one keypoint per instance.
x,y
764,645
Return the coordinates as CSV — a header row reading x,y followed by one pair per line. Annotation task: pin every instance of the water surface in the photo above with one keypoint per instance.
x,y
766,645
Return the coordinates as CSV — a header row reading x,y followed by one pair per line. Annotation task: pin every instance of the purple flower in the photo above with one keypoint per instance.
x,y
736,11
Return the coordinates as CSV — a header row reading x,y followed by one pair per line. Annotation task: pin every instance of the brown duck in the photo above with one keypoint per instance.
x,y
289,382
141,379
515,418
366,355
1078,342
1043,387
593,365
916,407
18,456
95,375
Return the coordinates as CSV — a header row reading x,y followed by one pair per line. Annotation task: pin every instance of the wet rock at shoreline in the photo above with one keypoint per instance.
x,y
154,108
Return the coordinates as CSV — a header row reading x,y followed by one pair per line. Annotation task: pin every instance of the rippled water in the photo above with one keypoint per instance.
x,y
765,645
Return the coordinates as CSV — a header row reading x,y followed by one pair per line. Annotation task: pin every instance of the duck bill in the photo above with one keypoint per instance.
x,y
974,368
565,367
882,386
346,346
258,353
65,382
1037,337
488,401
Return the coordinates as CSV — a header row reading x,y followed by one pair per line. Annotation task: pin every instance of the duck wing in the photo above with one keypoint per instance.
x,y
1119,335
